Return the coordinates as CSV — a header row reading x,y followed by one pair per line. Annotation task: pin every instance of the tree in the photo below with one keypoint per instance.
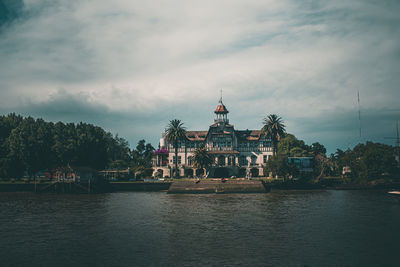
x,y
202,159
318,149
274,128
64,144
30,144
368,162
142,155
33,145
175,133
8,166
279,165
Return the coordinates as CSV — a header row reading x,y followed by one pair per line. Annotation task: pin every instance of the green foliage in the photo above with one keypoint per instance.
x,y
174,133
279,165
202,159
31,145
318,149
142,156
292,147
274,128
368,161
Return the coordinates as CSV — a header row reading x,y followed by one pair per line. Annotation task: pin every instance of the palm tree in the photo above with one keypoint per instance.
x,y
174,133
202,159
273,127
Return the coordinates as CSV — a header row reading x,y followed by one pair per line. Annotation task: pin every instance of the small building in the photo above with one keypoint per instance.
x,y
74,174
303,164
117,174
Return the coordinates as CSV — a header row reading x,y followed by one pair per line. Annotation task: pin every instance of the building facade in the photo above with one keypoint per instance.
x,y
240,153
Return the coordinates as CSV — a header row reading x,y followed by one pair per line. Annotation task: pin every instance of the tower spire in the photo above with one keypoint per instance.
x,y
221,112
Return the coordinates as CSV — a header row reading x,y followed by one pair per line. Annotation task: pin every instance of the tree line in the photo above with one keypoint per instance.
x,y
29,145
364,163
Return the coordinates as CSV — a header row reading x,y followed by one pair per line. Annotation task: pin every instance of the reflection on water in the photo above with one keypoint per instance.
x,y
283,228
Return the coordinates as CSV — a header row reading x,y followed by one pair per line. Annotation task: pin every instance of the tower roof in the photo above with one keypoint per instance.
x,y
221,109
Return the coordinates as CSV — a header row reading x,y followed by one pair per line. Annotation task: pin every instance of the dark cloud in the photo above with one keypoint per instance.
x,y
67,107
341,129
9,10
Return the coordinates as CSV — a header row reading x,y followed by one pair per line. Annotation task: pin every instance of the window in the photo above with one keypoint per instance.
x,y
179,159
242,160
189,161
266,144
265,158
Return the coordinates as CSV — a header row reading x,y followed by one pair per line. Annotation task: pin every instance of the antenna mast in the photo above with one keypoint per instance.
x,y
359,111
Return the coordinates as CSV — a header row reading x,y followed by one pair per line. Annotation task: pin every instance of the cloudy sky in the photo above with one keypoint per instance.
x,y
131,66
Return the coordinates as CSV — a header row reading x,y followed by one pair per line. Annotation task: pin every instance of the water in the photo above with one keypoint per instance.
x,y
284,228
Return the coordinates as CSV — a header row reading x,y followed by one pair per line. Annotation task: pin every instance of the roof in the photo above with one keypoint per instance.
x,y
226,125
196,135
221,132
250,135
221,109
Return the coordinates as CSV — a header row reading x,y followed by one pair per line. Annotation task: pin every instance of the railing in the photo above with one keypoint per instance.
x,y
227,148
254,149
245,165
240,149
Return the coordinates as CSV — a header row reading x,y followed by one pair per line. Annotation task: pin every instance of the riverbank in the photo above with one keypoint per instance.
x,y
218,186
66,187
186,185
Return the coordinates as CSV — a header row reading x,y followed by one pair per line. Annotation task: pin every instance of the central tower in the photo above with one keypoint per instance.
x,y
222,113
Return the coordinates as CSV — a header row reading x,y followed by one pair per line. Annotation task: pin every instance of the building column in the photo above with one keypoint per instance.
x,y
226,160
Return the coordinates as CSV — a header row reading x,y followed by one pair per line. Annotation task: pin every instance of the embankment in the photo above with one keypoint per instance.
x,y
217,186
139,186
59,187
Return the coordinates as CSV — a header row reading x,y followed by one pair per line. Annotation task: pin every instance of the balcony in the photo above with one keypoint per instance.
x,y
230,148
254,149
221,148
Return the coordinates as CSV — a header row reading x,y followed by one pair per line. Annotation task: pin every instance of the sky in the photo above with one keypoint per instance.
x,y
132,66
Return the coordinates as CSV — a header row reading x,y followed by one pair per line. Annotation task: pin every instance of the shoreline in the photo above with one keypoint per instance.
x,y
163,186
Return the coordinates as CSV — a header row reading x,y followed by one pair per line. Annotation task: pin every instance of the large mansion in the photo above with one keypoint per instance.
x,y
237,153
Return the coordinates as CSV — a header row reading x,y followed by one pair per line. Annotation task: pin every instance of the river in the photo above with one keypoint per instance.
x,y
281,228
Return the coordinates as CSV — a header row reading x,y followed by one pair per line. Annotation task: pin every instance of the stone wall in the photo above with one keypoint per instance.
x,y
217,186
